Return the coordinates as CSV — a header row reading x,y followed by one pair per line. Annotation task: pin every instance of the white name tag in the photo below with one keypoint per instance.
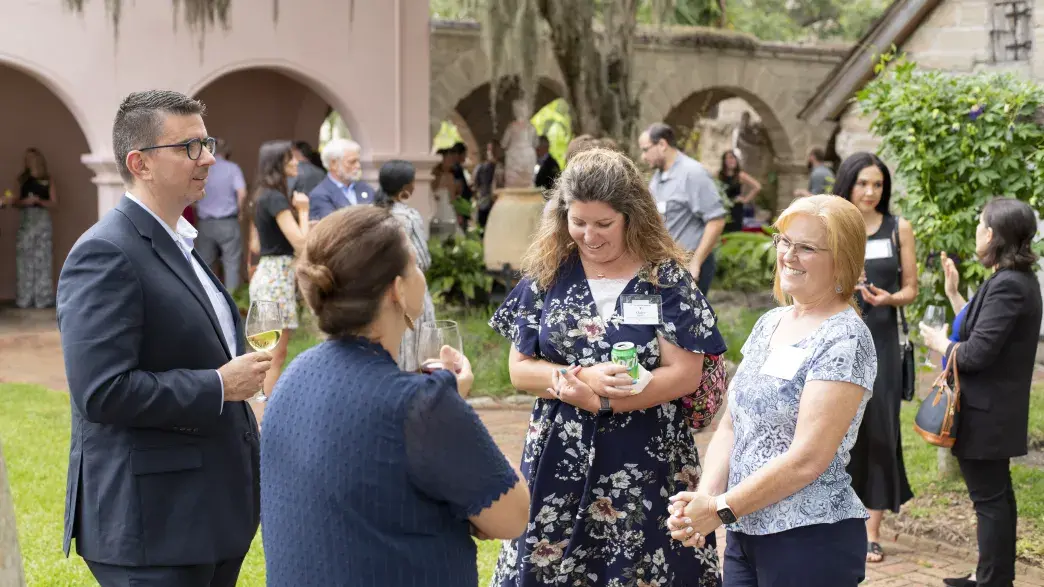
x,y
641,310
879,248
661,207
784,362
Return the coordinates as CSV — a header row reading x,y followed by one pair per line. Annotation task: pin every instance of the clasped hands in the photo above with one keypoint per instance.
x,y
693,517
583,386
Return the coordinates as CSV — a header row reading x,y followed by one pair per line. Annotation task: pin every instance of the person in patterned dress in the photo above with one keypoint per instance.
x,y
600,460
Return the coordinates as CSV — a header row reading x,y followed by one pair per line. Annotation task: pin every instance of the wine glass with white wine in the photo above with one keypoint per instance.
x,y
264,326
934,316
431,337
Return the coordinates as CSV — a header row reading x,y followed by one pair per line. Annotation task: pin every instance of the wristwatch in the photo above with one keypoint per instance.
x,y
725,513
605,409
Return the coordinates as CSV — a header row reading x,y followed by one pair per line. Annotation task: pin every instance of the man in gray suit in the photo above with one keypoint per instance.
x,y
163,485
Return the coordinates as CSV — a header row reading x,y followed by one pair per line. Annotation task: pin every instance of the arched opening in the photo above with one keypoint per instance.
x,y
33,116
250,106
712,121
474,109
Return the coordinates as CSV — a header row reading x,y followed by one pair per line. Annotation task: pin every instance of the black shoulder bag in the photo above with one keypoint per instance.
x,y
909,364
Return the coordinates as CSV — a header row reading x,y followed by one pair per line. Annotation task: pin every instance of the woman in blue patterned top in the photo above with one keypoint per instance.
x,y
371,475
775,468
601,461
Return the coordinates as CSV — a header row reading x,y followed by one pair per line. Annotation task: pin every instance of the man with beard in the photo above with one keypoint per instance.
x,y
342,186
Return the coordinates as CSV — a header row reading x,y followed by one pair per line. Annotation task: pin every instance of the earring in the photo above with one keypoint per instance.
x,y
837,289
409,321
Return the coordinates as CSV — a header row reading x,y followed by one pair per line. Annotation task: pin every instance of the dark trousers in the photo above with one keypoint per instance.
x,y
222,574
989,486
823,555
710,264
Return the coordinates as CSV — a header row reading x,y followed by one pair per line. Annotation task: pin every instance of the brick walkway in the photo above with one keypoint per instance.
x,y
904,564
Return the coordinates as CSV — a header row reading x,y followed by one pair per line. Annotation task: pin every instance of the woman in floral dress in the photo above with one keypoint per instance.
x,y
601,461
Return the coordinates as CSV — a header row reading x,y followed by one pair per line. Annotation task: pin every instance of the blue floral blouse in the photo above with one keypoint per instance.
x,y
599,486
764,411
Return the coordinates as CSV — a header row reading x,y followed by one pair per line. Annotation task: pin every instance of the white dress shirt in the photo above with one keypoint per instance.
x,y
184,237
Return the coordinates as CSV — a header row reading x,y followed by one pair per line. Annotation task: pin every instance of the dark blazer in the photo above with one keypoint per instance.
x,y
547,174
161,471
995,363
308,176
327,198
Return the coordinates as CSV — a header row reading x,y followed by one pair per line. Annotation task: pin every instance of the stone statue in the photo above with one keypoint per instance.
x,y
519,142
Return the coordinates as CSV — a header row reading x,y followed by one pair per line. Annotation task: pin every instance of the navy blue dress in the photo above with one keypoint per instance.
x,y
369,473
599,486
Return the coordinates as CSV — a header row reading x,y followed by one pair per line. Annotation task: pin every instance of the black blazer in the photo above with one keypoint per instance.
x,y
162,471
995,363
547,174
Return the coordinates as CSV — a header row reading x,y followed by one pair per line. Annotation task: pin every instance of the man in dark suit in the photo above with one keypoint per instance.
x,y
549,170
163,485
342,186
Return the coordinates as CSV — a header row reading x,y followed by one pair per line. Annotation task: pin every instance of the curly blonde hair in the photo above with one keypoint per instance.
x,y
599,175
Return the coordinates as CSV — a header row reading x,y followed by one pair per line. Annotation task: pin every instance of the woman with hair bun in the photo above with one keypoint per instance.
x,y
371,475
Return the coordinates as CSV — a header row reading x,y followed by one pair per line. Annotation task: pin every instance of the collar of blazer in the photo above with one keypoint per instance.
x,y
173,256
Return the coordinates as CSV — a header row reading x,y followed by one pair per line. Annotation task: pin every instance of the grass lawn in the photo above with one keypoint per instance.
x,y
35,434
942,509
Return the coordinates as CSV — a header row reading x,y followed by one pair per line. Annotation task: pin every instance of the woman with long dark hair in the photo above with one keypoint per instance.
x,y
36,198
890,268
995,354
396,186
281,221
734,178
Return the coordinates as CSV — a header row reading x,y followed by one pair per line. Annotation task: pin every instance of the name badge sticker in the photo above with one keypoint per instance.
x,y
661,207
784,362
878,248
642,310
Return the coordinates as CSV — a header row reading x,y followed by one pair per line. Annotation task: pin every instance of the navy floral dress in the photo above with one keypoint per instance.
x,y
599,486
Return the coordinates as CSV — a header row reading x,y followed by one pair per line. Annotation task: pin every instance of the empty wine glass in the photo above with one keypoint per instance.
x,y
935,317
264,326
430,340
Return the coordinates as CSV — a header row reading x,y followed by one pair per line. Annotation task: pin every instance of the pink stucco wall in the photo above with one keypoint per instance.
x,y
369,60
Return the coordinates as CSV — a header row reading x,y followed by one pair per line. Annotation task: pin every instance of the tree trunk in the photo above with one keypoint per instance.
x,y
948,467
11,574
596,67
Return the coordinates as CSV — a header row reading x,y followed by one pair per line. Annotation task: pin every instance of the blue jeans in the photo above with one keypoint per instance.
x,y
822,555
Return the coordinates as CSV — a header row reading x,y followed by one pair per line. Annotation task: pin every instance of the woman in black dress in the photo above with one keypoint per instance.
x,y
878,474
734,178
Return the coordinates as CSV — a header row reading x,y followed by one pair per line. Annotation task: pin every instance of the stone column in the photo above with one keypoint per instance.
x,y
11,573
424,162
107,178
792,175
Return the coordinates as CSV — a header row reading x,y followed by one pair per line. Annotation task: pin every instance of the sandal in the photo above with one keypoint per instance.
x,y
874,553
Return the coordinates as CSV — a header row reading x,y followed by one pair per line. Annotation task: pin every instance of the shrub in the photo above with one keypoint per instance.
x,y
956,142
458,270
746,262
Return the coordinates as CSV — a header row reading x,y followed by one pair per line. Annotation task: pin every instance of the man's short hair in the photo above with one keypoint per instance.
x,y
543,141
459,148
222,148
662,131
336,149
818,154
139,122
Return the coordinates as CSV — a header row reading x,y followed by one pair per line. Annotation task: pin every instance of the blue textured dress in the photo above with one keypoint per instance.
x,y
599,486
369,473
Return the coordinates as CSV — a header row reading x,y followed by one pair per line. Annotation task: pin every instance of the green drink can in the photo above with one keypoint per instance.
x,y
625,354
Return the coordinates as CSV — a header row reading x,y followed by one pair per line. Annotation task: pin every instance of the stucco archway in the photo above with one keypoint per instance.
x,y
34,114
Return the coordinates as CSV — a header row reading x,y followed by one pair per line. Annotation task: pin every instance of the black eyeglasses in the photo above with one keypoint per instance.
x,y
193,147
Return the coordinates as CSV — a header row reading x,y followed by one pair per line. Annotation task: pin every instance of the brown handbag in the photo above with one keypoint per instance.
x,y
936,419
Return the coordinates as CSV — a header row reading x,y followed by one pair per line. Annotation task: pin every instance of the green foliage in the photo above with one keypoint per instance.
x,y
956,142
783,20
746,262
458,271
447,137
555,122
